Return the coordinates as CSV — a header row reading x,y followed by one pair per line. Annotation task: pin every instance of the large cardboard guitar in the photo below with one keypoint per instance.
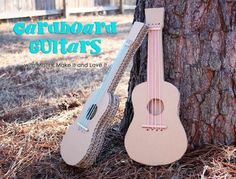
x,y
84,138
155,135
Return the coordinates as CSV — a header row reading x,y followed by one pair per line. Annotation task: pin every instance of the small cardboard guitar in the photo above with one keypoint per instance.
x,y
84,138
155,135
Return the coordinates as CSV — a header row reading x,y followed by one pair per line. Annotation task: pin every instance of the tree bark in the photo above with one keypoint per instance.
x,y
199,44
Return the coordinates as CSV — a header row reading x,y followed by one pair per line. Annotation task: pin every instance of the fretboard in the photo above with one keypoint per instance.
x,y
155,72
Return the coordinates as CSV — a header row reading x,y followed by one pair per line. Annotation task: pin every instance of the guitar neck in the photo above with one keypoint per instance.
x,y
113,74
155,55
155,70
125,55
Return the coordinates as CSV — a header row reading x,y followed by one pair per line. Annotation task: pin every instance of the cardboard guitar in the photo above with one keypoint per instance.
x,y
155,135
84,138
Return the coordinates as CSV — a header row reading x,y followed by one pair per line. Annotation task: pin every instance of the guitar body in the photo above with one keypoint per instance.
x,y
83,151
156,147
83,140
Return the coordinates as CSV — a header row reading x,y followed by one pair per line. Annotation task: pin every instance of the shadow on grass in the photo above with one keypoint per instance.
x,y
11,43
28,92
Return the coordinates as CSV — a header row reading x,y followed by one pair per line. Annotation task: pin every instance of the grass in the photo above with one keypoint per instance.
x,y
38,104
35,92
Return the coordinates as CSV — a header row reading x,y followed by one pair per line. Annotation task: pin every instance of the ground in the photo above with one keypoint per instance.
x,y
39,103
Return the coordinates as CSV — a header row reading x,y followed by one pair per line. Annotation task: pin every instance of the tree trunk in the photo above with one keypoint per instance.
x,y
199,42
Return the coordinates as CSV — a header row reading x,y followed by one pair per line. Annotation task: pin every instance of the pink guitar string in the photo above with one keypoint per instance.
x,y
156,55
159,40
152,68
148,76
152,75
155,77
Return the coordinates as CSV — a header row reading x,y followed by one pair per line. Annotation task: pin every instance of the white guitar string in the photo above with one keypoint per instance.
x,y
83,120
122,53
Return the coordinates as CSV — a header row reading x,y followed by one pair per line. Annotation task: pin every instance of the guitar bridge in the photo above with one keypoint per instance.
x,y
154,127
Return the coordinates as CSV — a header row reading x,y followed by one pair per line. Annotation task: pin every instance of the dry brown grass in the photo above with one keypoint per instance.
x,y
31,150
37,92
38,104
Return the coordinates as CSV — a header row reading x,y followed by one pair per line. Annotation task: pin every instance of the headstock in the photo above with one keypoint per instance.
x,y
154,17
135,30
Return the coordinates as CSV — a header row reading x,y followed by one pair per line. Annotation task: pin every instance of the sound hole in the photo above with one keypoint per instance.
x,y
155,107
91,112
